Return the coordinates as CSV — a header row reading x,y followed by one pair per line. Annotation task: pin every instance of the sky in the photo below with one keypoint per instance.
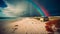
x,y
52,6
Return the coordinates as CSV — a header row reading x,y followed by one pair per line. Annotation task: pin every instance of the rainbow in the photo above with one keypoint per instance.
x,y
42,11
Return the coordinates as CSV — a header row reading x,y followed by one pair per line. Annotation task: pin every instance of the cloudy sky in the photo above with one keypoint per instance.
x,y
13,8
